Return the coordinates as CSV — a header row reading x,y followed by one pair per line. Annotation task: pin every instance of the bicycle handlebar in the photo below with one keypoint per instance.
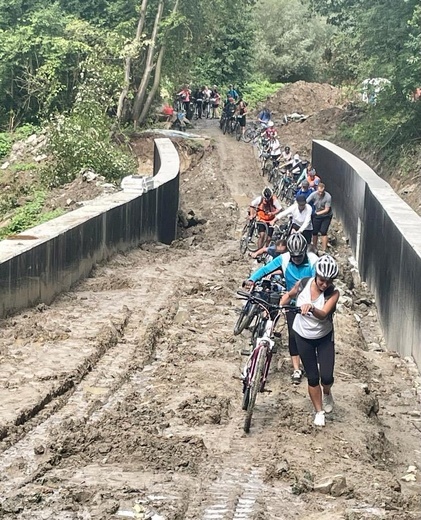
x,y
256,299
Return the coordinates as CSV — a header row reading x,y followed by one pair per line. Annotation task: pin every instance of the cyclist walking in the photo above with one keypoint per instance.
x,y
301,217
313,328
215,101
241,114
296,264
265,208
321,200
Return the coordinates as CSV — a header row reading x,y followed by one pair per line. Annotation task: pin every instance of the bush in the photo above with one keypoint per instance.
x,y
5,144
82,139
258,91
29,216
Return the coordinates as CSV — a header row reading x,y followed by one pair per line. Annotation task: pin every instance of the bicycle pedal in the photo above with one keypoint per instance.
x,y
245,352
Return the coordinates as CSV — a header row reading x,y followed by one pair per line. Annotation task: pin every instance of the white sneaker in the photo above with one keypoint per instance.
x,y
319,419
296,377
328,403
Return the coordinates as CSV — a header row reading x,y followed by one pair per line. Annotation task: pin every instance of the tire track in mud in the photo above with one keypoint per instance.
x,y
128,363
100,381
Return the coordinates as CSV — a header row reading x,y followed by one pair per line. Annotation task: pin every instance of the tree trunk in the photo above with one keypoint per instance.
x,y
152,92
141,91
157,78
128,62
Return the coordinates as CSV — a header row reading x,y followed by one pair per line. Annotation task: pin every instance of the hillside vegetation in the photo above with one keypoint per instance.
x,y
86,72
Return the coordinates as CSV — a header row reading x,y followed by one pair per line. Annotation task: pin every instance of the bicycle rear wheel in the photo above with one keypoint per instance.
x,y
254,388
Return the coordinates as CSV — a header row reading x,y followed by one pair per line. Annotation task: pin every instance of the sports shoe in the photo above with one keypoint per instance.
x,y
319,419
296,377
328,403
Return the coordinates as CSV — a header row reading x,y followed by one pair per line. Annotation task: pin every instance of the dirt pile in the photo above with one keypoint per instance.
x,y
304,98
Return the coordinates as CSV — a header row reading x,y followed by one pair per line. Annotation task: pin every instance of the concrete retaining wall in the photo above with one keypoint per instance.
x,y
385,237
65,249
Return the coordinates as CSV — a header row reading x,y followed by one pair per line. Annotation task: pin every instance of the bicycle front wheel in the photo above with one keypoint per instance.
x,y
249,135
254,388
252,241
225,126
238,132
242,320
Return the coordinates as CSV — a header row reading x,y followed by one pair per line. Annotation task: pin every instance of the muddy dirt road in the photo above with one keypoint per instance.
x,y
122,399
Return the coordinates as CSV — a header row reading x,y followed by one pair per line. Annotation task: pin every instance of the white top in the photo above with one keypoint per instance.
x,y
275,147
306,325
300,218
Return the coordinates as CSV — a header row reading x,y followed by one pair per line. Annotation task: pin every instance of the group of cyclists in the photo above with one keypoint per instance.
x,y
205,102
308,279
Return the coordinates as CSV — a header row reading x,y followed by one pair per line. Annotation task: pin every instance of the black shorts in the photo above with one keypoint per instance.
x,y
321,224
242,120
261,228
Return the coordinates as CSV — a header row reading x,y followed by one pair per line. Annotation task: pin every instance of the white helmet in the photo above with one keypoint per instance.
x,y
297,244
296,158
326,267
270,124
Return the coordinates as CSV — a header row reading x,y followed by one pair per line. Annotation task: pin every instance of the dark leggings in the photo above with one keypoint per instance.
x,y
292,344
314,352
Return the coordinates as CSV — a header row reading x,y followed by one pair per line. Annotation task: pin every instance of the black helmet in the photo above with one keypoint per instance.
x,y
287,149
267,193
297,244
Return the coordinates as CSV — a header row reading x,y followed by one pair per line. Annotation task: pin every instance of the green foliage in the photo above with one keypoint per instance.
x,y
29,215
378,38
290,43
389,133
257,91
8,138
82,139
5,144
213,45
24,131
23,167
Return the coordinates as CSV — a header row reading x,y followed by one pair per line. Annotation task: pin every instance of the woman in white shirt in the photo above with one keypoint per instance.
x,y
313,328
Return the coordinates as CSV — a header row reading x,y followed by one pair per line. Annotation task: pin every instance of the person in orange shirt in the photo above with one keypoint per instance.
x,y
312,178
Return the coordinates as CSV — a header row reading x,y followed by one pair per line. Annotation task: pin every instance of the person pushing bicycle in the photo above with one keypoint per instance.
x,y
296,264
265,208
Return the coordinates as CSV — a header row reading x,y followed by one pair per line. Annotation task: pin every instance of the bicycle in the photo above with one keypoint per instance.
x,y
256,370
236,128
250,235
282,232
252,132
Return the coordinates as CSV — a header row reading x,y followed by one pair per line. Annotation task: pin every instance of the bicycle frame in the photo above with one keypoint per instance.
x,y
264,343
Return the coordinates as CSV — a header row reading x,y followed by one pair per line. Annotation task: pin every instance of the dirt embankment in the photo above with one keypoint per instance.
x,y
327,108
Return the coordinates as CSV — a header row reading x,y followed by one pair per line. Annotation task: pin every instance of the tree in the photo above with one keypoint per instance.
x,y
290,44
